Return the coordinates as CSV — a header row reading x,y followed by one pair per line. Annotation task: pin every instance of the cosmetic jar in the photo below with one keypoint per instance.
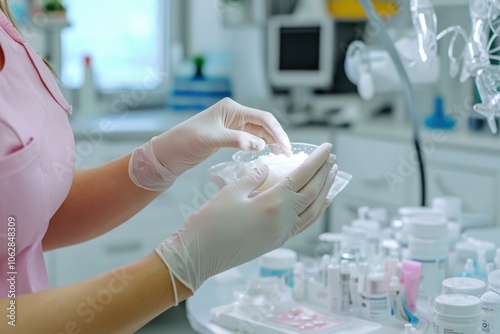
x,y
374,303
494,281
457,313
280,263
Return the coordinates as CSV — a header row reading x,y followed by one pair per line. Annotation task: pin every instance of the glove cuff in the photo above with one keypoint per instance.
x,y
147,172
174,253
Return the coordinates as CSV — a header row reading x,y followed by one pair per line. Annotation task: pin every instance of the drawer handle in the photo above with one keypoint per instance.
x,y
132,246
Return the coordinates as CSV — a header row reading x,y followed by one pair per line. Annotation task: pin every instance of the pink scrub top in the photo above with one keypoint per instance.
x,y
36,161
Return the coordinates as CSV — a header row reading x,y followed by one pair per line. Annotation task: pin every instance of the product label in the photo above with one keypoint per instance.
x,y
453,329
490,323
485,326
374,308
432,274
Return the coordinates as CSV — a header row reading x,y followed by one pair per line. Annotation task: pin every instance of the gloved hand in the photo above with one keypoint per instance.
x,y
156,165
233,228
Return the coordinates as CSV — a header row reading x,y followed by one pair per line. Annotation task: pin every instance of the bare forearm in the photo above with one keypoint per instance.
x,y
120,301
100,199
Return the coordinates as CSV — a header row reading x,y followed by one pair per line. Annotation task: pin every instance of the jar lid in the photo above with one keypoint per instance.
x,y
491,300
332,238
465,285
415,210
494,280
428,226
458,305
279,259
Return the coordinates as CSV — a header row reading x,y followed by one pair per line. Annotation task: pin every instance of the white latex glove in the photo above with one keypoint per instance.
x,y
233,228
157,164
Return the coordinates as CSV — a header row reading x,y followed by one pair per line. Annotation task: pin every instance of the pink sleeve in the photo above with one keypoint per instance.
x,y
9,140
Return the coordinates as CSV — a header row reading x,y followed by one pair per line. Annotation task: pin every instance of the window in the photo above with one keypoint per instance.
x,y
127,40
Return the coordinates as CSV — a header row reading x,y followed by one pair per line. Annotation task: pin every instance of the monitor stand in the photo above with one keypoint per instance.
x,y
298,105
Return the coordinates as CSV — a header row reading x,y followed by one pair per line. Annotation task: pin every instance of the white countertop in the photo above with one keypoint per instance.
x,y
460,138
129,125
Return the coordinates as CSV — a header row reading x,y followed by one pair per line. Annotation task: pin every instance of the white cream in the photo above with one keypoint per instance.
x,y
279,167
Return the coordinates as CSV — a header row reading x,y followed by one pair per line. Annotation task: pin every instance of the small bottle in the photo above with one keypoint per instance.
x,y
325,261
87,98
333,288
353,287
363,270
469,270
393,294
345,287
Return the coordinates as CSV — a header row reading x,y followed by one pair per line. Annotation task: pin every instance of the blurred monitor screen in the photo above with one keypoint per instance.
x,y
300,49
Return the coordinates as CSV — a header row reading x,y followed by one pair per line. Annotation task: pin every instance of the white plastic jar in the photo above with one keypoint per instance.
x,y
490,312
433,257
457,314
279,262
494,281
428,244
465,285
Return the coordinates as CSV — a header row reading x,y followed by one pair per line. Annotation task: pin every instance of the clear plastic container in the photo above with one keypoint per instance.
x,y
272,156
263,296
279,165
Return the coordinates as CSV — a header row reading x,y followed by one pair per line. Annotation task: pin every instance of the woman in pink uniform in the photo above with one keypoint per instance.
x,y
46,204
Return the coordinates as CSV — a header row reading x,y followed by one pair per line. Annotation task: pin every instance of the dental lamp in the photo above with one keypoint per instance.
x,y
414,60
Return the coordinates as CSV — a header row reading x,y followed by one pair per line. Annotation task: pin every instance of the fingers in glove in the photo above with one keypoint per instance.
x,y
241,140
245,185
303,174
316,208
313,188
261,132
264,119
299,229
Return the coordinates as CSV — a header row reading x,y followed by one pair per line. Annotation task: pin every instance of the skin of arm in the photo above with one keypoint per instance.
x,y
119,301
99,200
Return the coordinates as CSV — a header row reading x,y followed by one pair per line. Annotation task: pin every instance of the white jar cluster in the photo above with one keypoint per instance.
x,y
465,307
